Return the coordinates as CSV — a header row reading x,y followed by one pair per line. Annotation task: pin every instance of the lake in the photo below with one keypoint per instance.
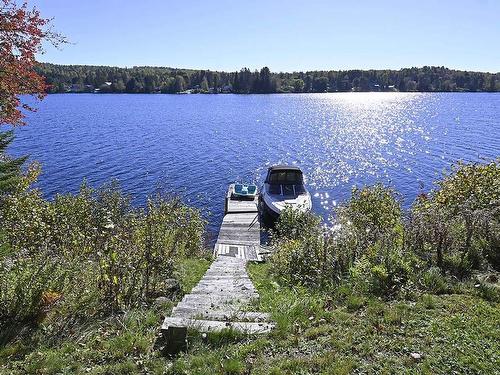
x,y
195,145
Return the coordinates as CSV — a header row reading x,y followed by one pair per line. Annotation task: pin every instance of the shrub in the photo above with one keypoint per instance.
x,y
302,255
489,292
355,302
382,271
296,225
93,250
480,181
24,283
372,214
428,301
10,168
366,245
373,220
457,226
433,281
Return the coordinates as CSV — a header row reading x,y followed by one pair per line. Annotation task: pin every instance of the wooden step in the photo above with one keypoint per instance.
x,y
222,315
218,289
220,299
204,306
202,325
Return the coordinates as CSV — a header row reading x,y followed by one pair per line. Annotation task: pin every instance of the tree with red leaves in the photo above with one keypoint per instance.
x,y
22,31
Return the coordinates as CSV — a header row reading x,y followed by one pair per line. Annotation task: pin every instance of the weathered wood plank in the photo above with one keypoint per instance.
x,y
215,325
222,315
220,298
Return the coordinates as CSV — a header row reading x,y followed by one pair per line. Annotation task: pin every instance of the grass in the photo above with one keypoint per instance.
x,y
315,334
190,271
324,334
119,344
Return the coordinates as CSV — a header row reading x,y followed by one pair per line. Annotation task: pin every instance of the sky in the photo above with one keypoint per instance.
x,y
283,35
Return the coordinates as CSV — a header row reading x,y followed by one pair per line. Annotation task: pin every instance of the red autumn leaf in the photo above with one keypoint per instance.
x,y
22,32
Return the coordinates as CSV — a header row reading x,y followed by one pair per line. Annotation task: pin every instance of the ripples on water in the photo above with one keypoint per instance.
x,y
195,145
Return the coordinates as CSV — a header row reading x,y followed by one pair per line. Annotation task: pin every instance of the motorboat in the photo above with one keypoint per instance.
x,y
284,187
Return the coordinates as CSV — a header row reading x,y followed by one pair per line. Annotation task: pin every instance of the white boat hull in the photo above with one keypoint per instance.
x,y
273,206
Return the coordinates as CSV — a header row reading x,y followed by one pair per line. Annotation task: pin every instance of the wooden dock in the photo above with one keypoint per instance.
x,y
239,234
221,298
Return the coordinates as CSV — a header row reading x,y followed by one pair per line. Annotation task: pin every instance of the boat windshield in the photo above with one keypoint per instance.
x,y
300,189
287,190
275,189
285,177
286,183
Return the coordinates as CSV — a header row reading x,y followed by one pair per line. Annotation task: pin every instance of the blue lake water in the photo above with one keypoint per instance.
x,y
195,145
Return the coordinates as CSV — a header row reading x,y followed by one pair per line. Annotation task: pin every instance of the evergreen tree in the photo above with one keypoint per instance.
x,y
246,80
492,84
149,84
180,84
216,81
320,84
298,85
308,84
118,86
131,85
364,84
265,85
10,168
236,83
204,85
256,85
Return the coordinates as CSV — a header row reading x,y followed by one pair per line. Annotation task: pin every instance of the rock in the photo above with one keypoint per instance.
x,y
492,278
416,356
161,301
171,287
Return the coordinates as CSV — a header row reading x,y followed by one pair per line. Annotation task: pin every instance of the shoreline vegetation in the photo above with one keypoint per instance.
x,y
86,279
156,80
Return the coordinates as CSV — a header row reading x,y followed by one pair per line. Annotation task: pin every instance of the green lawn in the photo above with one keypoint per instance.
x,y
315,333
120,344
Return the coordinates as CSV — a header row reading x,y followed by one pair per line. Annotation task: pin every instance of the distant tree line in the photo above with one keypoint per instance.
x,y
105,79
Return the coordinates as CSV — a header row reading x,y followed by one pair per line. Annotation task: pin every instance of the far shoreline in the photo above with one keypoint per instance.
x,y
273,93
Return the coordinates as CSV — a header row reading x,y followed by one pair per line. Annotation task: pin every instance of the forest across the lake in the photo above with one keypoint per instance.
x,y
148,79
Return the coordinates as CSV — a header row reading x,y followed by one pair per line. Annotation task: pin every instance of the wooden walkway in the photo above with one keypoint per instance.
x,y
222,297
239,234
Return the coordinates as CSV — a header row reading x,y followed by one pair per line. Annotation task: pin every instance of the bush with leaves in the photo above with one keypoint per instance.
x,y
365,246
371,234
457,226
94,250
302,254
10,168
374,248
372,215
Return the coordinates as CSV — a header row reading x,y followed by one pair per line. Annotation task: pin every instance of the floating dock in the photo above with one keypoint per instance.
x,y
221,298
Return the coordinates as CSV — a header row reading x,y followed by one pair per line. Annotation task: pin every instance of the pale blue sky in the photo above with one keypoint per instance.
x,y
284,35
